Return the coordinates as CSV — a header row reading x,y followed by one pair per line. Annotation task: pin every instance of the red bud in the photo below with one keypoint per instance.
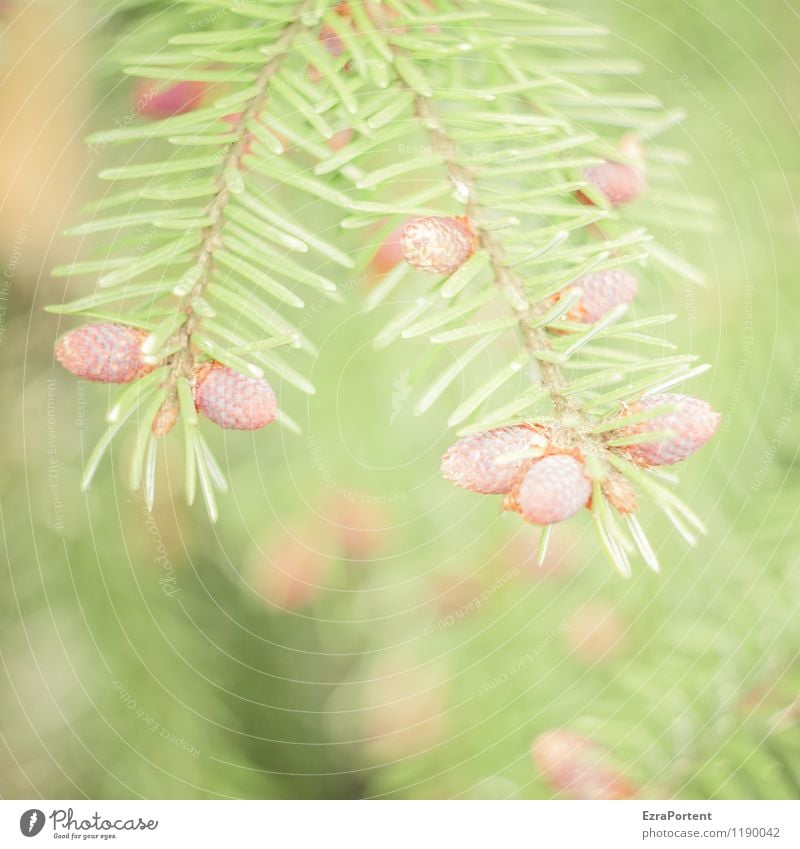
x,y
106,353
437,245
234,400
693,422
553,489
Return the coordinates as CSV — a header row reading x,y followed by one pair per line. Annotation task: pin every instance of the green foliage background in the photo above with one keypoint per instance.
x,y
140,657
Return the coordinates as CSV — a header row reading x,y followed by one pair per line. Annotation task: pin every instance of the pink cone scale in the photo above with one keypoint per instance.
x,y
602,291
553,489
692,422
105,353
437,245
233,400
470,462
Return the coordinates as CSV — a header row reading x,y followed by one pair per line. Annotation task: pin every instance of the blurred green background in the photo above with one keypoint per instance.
x,y
353,626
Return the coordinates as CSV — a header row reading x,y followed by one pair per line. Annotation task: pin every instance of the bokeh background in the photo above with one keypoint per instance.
x,y
353,626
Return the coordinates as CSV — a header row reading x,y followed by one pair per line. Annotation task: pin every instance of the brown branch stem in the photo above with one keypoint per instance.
x,y
536,338
182,363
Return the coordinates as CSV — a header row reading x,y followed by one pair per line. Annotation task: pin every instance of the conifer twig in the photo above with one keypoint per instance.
x,y
507,280
181,363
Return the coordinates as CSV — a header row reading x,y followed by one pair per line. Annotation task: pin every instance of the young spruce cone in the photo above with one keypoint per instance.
x,y
620,182
233,400
602,291
693,422
470,463
552,489
106,353
437,245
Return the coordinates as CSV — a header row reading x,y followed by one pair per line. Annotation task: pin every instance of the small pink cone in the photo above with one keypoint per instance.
x,y
470,462
575,766
389,254
620,182
233,400
693,422
437,245
552,490
340,139
156,101
105,353
602,291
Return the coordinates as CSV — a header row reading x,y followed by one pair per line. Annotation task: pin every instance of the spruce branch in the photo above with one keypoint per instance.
x,y
540,284
505,278
541,230
212,241
181,364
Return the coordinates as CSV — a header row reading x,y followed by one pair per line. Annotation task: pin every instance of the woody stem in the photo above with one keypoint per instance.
x,y
535,338
182,362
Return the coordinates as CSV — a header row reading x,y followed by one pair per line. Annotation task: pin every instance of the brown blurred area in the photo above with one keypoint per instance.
x,y
44,99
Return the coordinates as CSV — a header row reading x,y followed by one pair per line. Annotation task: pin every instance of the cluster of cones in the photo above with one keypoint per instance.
x,y
550,483
112,353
